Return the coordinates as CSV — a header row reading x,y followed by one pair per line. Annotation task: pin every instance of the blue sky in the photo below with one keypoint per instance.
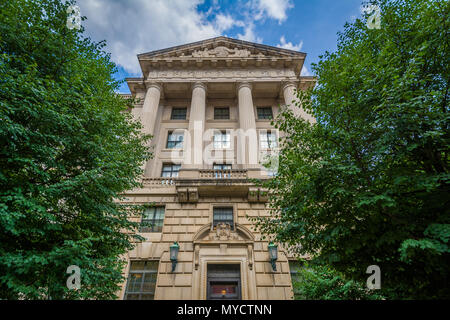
x,y
131,27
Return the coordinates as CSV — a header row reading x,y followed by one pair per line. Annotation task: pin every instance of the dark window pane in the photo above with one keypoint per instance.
x,y
152,219
220,166
175,140
141,284
149,283
151,266
223,288
264,112
170,170
268,140
221,140
223,214
178,114
134,282
137,265
222,113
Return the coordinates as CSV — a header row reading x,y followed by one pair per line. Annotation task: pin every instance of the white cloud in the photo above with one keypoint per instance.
x,y
131,27
305,72
289,45
275,9
225,22
249,34
138,26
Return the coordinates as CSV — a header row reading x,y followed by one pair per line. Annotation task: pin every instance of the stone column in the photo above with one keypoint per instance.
x,y
194,139
150,107
150,110
290,98
247,149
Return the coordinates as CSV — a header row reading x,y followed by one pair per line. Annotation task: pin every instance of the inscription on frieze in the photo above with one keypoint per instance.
x,y
226,73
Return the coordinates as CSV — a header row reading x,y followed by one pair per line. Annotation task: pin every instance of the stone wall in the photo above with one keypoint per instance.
x,y
182,221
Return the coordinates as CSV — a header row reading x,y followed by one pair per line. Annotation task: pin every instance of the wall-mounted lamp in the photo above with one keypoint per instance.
x,y
273,255
174,248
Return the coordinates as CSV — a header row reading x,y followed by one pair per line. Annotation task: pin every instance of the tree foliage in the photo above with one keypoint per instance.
x,y
68,149
369,183
320,282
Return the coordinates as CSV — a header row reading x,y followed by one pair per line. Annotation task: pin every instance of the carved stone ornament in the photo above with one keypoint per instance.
x,y
221,52
223,232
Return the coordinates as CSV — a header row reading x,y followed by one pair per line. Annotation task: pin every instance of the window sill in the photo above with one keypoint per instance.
x,y
151,236
264,120
222,149
172,149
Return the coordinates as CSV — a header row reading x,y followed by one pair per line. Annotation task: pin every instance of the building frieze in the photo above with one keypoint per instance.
x,y
180,74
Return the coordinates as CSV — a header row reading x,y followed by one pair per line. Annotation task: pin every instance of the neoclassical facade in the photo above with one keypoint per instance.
x,y
209,106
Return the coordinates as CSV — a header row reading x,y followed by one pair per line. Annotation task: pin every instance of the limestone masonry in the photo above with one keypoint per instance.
x,y
209,106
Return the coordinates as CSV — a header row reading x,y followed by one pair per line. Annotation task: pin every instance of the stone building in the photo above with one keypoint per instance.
x,y
209,107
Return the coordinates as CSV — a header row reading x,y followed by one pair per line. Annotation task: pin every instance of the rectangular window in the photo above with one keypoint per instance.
x,y
264,112
221,166
294,269
267,139
178,114
152,219
141,280
221,113
175,140
221,140
223,214
170,170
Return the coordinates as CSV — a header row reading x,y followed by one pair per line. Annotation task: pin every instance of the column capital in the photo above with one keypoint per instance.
x,y
152,84
288,84
244,84
198,84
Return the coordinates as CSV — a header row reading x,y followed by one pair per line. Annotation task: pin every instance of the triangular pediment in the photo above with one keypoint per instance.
x,y
222,48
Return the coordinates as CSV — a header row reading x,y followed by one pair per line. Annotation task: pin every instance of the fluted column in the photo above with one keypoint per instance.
x,y
290,98
194,145
247,147
150,110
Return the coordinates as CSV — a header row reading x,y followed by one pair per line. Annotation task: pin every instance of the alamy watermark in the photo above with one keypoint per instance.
x,y
374,281
73,18
74,280
374,12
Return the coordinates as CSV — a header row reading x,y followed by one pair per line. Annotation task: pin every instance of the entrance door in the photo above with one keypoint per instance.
x,y
224,282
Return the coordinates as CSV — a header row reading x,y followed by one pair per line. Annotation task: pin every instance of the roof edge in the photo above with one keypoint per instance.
x,y
237,41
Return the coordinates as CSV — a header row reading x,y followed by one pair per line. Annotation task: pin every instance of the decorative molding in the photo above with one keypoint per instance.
x,y
221,52
152,84
273,74
196,256
187,194
223,232
250,256
288,84
244,84
199,84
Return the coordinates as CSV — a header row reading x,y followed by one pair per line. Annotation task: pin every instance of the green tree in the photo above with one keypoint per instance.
x,y
369,183
68,150
320,282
